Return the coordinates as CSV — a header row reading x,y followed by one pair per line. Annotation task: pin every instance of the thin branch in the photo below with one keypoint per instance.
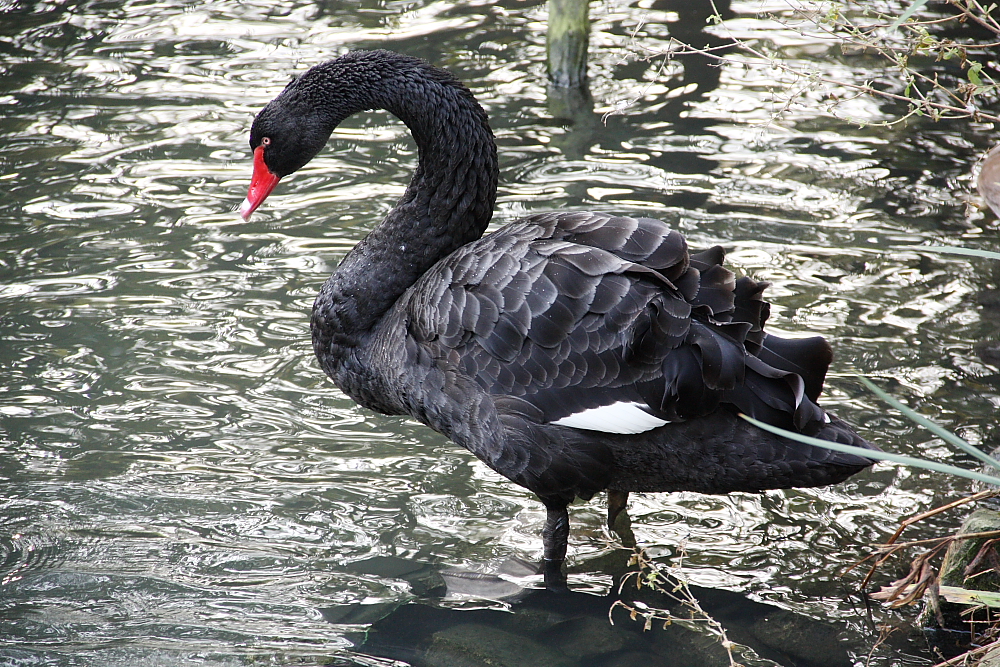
x,y
991,493
961,659
977,17
938,540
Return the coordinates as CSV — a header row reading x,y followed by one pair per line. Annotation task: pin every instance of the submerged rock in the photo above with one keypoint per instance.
x,y
633,659
586,636
962,553
801,638
477,645
967,565
677,646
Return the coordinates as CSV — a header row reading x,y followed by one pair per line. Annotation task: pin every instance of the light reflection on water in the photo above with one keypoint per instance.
x,y
178,474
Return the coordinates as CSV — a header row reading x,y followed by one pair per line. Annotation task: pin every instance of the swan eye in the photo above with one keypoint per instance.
x,y
266,141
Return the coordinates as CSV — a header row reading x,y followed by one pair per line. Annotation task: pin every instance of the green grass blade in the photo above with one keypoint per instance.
x,y
881,456
967,596
955,250
910,11
939,431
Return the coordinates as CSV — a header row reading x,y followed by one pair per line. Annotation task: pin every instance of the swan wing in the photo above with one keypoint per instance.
x,y
608,323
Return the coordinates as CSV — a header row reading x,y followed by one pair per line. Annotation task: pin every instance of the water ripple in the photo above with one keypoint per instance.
x,y
179,475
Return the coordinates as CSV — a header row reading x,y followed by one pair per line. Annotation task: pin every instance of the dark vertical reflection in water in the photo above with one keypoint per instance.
x,y
180,480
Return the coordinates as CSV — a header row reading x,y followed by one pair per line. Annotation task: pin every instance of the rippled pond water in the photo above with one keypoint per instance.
x,y
181,484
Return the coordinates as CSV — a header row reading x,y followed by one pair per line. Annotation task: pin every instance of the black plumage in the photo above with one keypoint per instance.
x,y
572,352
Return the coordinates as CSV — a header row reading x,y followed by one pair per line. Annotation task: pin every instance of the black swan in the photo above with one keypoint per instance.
x,y
572,352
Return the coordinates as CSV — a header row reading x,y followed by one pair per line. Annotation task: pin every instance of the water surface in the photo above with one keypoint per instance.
x,y
181,484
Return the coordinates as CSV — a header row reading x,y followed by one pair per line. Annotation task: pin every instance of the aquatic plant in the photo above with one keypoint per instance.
x,y
668,583
934,63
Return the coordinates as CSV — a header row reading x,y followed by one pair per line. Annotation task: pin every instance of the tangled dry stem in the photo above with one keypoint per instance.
x,y
922,579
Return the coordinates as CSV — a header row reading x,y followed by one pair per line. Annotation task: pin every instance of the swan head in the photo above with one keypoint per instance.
x,y
286,134
293,128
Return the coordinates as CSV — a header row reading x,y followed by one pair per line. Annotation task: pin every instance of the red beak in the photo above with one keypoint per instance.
x,y
261,184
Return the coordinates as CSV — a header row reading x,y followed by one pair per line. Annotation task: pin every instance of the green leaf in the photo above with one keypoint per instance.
x,y
967,596
876,455
974,70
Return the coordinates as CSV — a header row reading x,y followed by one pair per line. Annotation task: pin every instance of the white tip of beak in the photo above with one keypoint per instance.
x,y
246,209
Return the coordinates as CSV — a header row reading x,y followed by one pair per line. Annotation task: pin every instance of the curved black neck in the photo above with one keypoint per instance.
x,y
448,203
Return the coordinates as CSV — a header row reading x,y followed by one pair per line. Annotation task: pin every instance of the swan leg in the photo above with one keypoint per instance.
x,y
618,519
617,502
554,538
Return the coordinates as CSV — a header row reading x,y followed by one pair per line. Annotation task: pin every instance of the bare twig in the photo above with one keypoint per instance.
x,y
982,495
961,659
940,540
886,553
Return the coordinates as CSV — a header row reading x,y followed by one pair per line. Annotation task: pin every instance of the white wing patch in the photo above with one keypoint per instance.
x,y
615,418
